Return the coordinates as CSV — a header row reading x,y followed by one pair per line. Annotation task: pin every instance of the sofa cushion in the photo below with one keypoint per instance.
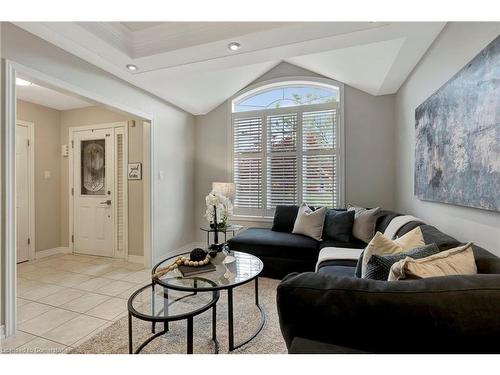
x,y
310,223
384,217
336,270
379,266
433,235
354,244
265,242
365,221
284,218
338,225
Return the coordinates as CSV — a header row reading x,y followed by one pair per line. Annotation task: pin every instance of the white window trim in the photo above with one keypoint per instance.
x,y
304,80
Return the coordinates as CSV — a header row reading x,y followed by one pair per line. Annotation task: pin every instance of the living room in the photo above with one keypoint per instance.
x,y
312,182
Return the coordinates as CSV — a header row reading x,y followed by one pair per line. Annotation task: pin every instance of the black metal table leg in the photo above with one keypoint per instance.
x,y
130,349
190,335
230,318
232,346
165,308
153,324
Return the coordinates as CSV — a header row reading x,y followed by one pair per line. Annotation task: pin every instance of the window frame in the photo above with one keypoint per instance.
x,y
266,214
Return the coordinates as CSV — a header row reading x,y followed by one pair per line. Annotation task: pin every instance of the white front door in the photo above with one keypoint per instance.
x,y
23,172
93,192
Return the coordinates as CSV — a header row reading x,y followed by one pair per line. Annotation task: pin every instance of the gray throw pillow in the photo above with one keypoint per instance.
x,y
379,266
338,225
365,221
310,223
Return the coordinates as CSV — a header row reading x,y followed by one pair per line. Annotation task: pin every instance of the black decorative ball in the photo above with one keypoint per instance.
x,y
197,254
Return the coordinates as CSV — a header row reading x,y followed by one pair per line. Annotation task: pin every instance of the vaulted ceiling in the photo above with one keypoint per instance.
x,y
189,64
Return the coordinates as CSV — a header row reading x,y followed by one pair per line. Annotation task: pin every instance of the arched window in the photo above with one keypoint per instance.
x,y
286,147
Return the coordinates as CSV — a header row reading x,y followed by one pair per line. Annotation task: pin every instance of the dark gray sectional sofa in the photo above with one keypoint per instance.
x,y
333,311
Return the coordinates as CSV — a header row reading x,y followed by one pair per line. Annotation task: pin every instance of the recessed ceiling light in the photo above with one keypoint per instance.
x,y
132,67
233,46
22,82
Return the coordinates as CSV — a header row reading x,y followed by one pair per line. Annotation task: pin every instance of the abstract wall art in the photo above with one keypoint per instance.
x,y
457,150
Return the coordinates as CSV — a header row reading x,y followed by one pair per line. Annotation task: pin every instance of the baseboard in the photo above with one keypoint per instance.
x,y
53,251
183,249
135,259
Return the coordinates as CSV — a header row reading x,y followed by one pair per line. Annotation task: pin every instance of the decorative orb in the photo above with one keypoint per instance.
x,y
197,254
191,263
195,263
174,266
186,262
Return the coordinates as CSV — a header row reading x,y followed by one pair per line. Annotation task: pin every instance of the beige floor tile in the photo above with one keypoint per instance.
x,y
118,274
62,297
92,284
72,266
110,309
126,294
85,303
113,288
75,329
96,269
41,291
40,345
31,310
12,342
73,279
141,277
134,266
25,267
47,321
22,301
53,276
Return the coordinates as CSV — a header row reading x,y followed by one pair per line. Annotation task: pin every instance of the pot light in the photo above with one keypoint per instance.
x,y
233,46
22,82
132,67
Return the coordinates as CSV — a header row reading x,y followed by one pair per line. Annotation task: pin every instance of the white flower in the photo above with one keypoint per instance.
x,y
221,203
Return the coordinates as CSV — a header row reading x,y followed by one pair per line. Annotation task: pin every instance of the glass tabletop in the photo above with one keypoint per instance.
x,y
229,228
150,303
235,269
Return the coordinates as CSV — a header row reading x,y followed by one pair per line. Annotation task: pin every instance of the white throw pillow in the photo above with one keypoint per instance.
x,y
382,245
310,223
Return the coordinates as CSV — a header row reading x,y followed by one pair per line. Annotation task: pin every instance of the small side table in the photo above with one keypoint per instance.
x,y
232,228
152,303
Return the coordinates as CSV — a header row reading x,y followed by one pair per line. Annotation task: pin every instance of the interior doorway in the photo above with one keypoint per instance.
x,y
25,205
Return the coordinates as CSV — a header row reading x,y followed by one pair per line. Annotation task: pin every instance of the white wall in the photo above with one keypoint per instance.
x,y
173,130
369,129
454,48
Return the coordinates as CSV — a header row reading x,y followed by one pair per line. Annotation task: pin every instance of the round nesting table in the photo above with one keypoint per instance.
x,y
226,276
154,304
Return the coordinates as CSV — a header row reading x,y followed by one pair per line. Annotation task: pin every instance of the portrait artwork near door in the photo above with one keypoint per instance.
x,y
135,171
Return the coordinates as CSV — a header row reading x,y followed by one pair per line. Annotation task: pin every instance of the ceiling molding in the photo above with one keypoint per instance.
x,y
196,53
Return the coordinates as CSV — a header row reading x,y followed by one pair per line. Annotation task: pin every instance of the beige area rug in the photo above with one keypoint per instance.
x,y
114,339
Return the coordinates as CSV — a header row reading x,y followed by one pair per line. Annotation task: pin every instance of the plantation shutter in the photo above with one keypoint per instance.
x,y
319,177
247,168
281,160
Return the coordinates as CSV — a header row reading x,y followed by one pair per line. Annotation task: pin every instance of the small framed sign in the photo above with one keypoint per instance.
x,y
135,171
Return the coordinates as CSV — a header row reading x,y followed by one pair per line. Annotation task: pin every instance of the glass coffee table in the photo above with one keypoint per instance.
x,y
226,276
156,305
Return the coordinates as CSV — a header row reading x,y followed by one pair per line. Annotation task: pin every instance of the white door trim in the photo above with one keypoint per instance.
x,y
71,132
9,69
31,188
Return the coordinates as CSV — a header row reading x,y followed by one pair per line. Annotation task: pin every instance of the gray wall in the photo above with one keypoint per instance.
x,y
47,147
455,46
369,128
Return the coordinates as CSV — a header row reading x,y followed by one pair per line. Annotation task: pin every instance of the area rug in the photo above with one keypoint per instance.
x,y
114,339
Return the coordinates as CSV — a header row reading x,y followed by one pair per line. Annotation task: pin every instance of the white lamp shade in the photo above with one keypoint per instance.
x,y
227,189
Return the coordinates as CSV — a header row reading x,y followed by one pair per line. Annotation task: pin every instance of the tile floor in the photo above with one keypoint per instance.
x,y
65,299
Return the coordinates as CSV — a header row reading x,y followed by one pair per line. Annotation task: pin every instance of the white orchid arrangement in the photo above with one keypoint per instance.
x,y
216,202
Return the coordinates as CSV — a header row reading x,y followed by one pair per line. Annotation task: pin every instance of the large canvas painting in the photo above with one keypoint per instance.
x,y
457,151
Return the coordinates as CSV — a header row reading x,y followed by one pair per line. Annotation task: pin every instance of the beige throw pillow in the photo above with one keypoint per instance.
x,y
364,222
382,245
310,223
456,261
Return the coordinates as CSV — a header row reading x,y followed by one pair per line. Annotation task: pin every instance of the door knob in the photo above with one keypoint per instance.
x,y
108,202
